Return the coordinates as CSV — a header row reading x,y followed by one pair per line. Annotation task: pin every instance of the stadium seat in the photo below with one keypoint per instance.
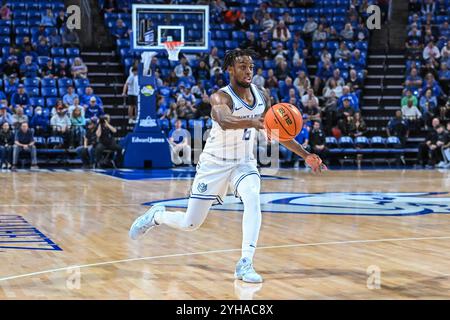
x,y
5,30
50,102
22,31
31,82
49,92
48,82
55,141
331,142
65,82
32,91
42,60
57,52
5,41
40,142
393,142
346,142
362,142
377,142
37,101
28,112
82,83
72,52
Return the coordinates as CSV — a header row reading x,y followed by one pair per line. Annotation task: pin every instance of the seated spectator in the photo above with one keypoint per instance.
x,y
309,27
86,98
264,47
342,52
59,105
267,23
186,94
20,98
311,111
249,42
361,31
398,127
218,79
271,81
70,96
70,38
298,65
325,56
29,69
39,122
86,151
242,24
109,6
433,85
317,141
288,19
186,79
347,33
183,65
60,124
357,61
198,90
259,13
356,126
5,116
61,19
320,34
413,115
430,152
258,78
332,87
445,51
281,32
409,97
28,50
93,110
445,110
445,148
337,78
431,51
428,6
55,39
298,53
74,105
203,109
280,53
293,98
202,72
49,70
43,48
330,112
77,122
120,31
48,19
62,70
79,69
324,72
179,140
302,83
5,12
310,99
428,106
11,67
11,85
348,95
171,112
24,142
185,109
286,87
105,135
6,145
444,76
213,57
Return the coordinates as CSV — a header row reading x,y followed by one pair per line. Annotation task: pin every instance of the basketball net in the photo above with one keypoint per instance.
x,y
173,49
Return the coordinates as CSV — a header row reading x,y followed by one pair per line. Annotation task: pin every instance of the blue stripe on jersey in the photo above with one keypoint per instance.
x,y
243,102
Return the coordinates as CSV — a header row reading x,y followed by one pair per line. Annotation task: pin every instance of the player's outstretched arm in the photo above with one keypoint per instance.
x,y
311,159
221,113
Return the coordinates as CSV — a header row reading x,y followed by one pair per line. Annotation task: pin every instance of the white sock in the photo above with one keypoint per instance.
x,y
249,189
196,213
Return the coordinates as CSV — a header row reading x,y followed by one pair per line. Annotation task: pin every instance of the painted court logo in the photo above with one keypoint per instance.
x,y
338,203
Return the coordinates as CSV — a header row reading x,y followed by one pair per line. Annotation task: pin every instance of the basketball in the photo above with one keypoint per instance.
x,y
283,122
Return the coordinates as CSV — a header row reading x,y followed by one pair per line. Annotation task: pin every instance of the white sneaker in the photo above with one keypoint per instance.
x,y
441,164
246,272
145,222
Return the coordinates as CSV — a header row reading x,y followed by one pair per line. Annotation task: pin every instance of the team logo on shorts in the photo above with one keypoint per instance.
x,y
337,203
202,187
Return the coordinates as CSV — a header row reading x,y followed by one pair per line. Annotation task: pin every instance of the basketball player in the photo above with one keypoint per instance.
x,y
228,160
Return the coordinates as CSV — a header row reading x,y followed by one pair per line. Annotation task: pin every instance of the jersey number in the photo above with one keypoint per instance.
x,y
247,134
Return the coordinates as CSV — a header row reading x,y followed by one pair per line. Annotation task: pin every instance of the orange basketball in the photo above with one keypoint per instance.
x,y
283,122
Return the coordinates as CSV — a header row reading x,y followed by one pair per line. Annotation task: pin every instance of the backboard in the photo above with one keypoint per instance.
x,y
154,24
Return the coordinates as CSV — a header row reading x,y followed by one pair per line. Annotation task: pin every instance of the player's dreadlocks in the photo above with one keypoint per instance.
x,y
231,55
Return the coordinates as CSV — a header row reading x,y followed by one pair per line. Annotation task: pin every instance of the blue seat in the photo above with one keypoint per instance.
x,y
331,142
50,102
72,52
5,30
195,123
62,91
49,92
57,60
362,142
82,83
377,142
346,142
163,123
31,82
32,91
34,21
42,60
123,43
393,142
57,52
40,142
269,64
37,101
65,82
28,112
22,31
81,91
183,123
48,83
55,141
5,40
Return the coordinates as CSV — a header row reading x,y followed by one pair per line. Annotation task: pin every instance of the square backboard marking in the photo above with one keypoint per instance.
x,y
203,10
161,28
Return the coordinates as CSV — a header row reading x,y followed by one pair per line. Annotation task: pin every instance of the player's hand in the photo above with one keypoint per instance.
x,y
315,163
258,123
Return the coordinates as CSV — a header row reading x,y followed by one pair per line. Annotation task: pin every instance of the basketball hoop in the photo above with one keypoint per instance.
x,y
173,49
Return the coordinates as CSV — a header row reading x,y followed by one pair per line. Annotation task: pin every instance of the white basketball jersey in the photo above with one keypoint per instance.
x,y
236,144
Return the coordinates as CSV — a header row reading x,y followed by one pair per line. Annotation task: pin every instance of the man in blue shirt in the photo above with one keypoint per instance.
x,y
347,95
20,98
5,116
29,69
93,110
179,140
24,142
69,96
89,93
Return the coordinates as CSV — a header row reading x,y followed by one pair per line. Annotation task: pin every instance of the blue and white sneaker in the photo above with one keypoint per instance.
x,y
145,222
245,272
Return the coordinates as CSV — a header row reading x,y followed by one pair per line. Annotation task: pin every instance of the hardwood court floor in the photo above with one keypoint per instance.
x,y
300,256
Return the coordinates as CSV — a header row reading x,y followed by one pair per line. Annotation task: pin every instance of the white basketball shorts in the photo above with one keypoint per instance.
x,y
215,175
